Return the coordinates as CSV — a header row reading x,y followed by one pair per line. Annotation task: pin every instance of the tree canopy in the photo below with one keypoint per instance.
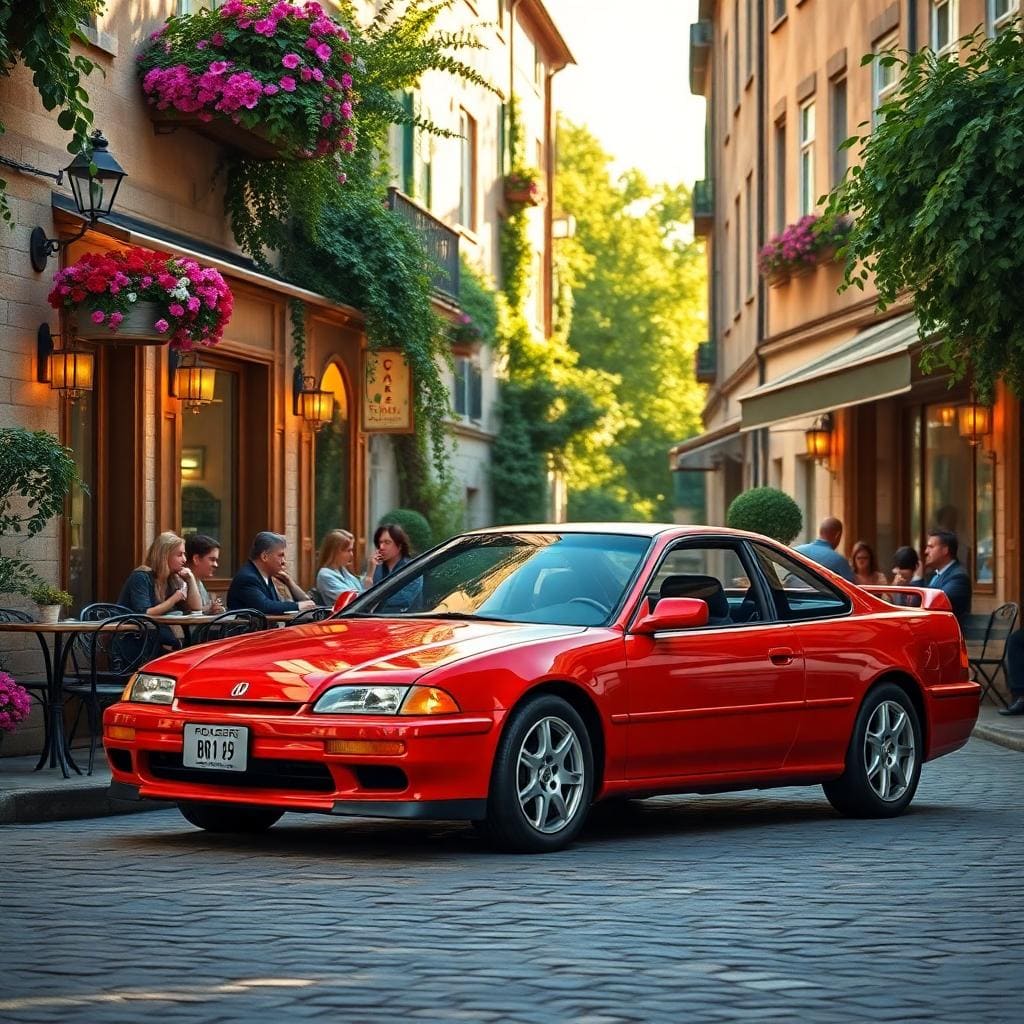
x,y
937,204
631,301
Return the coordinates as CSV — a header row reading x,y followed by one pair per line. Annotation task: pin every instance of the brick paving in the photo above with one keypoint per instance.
x,y
724,908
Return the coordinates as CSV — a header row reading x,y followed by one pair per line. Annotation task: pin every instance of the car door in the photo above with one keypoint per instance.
x,y
723,698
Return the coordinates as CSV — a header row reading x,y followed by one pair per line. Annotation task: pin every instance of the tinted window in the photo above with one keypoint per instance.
x,y
797,592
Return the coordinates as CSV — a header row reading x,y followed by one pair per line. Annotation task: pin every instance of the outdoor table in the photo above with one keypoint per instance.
x,y
61,635
190,619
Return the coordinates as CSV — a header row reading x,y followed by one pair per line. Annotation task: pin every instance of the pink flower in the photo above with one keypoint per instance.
x,y
161,326
115,319
306,74
346,81
291,60
217,39
270,90
98,316
323,51
193,304
266,27
327,120
318,75
202,44
218,67
342,178
288,83
346,110
347,57
176,309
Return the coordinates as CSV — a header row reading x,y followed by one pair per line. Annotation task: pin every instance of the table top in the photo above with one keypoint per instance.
x,y
78,626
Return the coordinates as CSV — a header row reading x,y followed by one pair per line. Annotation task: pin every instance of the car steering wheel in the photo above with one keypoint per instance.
x,y
603,609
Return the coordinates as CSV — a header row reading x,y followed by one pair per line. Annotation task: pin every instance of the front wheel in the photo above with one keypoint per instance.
x,y
883,761
542,780
230,817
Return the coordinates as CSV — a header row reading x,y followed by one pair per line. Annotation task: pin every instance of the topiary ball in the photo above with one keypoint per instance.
x,y
766,510
414,524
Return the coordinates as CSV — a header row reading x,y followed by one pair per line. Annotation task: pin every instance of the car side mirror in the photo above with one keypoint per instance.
x,y
673,613
344,599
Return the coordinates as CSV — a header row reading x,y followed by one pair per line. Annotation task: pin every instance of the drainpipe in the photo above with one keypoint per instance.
x,y
912,25
761,436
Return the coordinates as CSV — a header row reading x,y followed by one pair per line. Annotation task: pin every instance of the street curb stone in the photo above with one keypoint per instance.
x,y
26,806
1012,740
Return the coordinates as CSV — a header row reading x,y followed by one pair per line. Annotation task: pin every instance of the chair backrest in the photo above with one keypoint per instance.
x,y
317,614
233,623
14,615
315,596
119,648
997,632
103,610
704,588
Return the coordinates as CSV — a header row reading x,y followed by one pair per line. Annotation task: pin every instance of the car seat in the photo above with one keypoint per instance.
x,y
704,588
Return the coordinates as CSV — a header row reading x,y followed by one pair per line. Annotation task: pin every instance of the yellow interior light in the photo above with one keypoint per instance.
x,y
388,747
429,700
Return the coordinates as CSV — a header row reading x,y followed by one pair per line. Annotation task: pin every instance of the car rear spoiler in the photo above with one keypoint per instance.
x,y
932,599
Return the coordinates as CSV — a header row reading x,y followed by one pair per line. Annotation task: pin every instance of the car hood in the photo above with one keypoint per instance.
x,y
296,663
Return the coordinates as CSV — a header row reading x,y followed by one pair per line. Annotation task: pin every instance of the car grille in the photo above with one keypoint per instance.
x,y
262,773
273,707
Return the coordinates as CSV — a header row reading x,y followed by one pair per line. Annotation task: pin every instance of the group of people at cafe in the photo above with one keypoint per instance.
x,y
172,579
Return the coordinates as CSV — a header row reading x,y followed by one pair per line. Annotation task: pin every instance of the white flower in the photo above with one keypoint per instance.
x,y
183,282
132,297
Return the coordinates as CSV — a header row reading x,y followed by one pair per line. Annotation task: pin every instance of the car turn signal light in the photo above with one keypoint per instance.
x,y
120,732
392,747
428,700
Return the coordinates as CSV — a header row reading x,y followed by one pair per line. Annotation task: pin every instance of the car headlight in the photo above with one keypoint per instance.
x,y
144,688
362,700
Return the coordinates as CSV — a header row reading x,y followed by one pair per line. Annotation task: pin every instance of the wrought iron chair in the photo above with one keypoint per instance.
x,y
103,610
111,655
38,688
233,623
317,614
992,659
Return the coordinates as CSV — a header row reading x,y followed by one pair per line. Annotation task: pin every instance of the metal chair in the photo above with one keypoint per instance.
x,y
233,623
992,659
103,610
114,653
317,614
38,688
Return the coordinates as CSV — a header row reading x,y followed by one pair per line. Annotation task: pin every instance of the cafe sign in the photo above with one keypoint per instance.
x,y
387,398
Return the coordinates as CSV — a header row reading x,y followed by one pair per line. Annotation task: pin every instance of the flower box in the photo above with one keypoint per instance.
x,y
253,142
801,247
777,278
523,188
143,296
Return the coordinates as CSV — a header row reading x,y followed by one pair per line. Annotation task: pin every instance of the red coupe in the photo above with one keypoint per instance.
x,y
512,677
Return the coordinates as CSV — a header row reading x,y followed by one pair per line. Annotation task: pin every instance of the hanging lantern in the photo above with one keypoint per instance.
x,y
819,439
974,421
314,405
72,372
194,384
947,415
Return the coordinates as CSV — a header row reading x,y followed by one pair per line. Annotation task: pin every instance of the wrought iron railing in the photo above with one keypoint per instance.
x,y
440,241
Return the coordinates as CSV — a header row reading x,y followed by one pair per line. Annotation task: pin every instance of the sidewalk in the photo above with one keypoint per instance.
x,y
29,796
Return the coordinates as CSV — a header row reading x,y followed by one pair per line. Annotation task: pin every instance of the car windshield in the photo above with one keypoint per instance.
x,y
569,579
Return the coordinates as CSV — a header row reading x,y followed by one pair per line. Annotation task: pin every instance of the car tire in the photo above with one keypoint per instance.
x,y
542,779
883,760
230,817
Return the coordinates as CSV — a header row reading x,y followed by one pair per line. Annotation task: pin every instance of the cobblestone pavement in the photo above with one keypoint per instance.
x,y
731,907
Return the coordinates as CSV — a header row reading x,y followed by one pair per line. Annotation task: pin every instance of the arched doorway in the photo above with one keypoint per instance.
x,y
333,460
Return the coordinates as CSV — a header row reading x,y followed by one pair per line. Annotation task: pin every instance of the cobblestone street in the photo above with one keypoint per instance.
x,y
732,907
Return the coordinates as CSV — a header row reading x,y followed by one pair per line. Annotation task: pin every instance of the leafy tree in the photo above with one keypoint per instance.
x,y
39,33
765,510
635,317
938,206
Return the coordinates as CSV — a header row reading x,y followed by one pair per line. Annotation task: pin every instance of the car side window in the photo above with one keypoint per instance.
x,y
714,573
797,592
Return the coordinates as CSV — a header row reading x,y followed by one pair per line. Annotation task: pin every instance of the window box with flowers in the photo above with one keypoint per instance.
x,y
466,335
273,79
800,248
143,296
523,187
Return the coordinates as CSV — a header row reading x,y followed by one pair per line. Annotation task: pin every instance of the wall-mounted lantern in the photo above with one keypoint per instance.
x,y
973,422
192,382
69,370
819,439
314,405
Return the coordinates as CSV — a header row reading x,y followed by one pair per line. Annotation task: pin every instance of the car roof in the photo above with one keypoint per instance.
x,y
618,529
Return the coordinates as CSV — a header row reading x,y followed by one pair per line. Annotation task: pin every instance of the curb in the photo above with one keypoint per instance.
x,y
1011,739
28,806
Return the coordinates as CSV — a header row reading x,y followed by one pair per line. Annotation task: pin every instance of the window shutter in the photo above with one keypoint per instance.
x,y
460,387
408,147
476,393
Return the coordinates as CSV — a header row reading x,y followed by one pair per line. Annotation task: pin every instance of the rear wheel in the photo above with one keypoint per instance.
x,y
542,779
230,817
883,762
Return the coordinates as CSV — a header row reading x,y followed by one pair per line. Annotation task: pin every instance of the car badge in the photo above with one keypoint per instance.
x,y
239,689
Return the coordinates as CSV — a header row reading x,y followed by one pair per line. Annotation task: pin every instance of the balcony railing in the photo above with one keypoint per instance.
x,y
703,208
706,362
701,34
440,241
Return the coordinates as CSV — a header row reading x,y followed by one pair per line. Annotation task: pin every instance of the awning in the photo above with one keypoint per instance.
x,y
707,451
874,364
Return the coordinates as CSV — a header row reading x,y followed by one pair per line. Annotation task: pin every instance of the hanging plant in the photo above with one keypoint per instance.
x,y
522,186
801,246
138,293
283,70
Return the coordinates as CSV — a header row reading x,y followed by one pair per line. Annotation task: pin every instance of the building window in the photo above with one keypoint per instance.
x,y
807,196
467,394
944,26
885,76
737,248
736,54
725,80
839,130
748,256
467,178
750,39
778,9
193,6
780,175
1001,13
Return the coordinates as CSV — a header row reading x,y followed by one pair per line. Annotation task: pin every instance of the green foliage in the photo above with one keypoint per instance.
x,y
415,525
765,510
44,593
39,33
37,474
938,206
630,296
478,300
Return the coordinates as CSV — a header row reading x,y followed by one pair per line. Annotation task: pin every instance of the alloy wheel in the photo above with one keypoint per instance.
x,y
890,751
550,775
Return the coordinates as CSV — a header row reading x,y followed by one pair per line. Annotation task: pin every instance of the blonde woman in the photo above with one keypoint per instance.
x,y
334,568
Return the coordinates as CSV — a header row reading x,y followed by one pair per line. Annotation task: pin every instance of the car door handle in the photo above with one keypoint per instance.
x,y
781,655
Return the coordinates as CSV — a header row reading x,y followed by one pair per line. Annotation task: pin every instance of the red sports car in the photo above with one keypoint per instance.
x,y
514,676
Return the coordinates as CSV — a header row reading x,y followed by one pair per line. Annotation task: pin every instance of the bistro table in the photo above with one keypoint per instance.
x,y
188,620
61,635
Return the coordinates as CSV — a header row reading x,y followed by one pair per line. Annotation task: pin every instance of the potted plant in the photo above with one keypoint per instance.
x,y
141,295
765,510
50,600
522,186
466,334
272,78
15,703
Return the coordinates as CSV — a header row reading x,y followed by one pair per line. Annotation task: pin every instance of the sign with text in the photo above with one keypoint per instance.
x,y
387,394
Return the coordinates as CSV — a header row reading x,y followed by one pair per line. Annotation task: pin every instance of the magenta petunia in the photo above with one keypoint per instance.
x,y
98,316
287,83
291,60
161,326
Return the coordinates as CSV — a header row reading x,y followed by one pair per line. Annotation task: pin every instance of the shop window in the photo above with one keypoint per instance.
x,y
333,456
209,470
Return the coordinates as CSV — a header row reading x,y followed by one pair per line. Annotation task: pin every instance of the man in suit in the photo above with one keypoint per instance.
x,y
253,584
943,572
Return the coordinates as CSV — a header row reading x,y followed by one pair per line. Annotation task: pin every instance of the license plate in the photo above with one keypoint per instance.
x,y
221,747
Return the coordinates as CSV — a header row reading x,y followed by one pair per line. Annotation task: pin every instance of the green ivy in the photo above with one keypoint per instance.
x,y
937,204
39,33
478,300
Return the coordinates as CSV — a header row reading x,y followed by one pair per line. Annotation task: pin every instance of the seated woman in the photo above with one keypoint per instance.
x,y
334,573
392,551
865,566
162,584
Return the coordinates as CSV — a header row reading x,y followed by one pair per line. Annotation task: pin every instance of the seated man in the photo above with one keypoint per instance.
x,y
253,585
